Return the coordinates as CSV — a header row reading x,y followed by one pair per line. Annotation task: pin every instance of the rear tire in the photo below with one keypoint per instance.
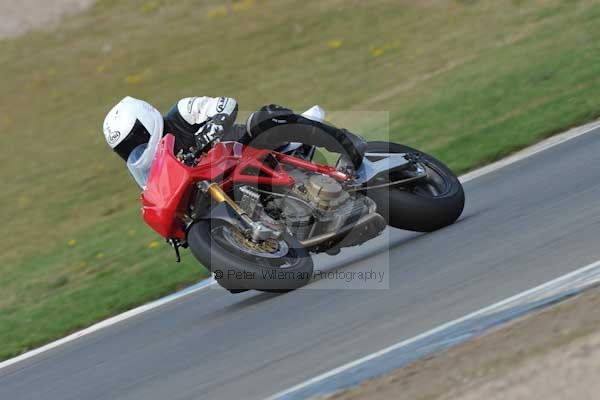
x,y
237,271
419,206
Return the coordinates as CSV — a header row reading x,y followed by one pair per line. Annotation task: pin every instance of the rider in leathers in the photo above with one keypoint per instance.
x,y
133,129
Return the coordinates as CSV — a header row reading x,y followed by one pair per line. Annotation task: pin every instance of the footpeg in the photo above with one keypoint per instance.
x,y
175,245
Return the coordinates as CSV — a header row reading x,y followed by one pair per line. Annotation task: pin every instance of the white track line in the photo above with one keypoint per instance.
x,y
531,150
580,278
541,146
112,321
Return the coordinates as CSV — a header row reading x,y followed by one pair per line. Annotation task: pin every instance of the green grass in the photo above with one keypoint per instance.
x,y
469,81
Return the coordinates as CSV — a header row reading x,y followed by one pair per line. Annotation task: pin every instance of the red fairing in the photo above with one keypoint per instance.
x,y
170,182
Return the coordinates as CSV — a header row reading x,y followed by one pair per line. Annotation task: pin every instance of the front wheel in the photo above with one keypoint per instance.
x,y
424,205
240,264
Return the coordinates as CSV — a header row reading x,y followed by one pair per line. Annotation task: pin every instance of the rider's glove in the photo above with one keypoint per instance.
x,y
208,135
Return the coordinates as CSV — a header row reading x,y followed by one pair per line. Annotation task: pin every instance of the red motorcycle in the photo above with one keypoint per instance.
x,y
253,216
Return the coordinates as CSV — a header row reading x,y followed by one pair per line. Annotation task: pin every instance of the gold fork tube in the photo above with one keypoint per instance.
x,y
218,195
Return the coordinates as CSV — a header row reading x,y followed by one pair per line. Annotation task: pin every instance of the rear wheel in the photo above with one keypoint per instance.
x,y
423,205
240,264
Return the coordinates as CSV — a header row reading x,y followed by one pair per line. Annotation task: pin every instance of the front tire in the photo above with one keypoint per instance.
x,y
423,206
285,266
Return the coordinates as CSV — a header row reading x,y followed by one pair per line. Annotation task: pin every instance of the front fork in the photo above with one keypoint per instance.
x,y
229,211
219,196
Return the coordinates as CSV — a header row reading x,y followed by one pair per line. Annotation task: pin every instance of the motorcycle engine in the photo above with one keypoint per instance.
x,y
324,192
318,204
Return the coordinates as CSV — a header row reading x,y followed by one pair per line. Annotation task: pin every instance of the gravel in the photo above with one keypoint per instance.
x,y
551,355
18,17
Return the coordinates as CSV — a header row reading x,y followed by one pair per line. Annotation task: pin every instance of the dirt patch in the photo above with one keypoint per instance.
x,y
18,17
554,354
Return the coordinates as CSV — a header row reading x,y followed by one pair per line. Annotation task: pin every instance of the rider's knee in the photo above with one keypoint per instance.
x,y
267,117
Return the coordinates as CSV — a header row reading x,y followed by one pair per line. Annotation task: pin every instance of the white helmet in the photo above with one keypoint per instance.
x,y
130,123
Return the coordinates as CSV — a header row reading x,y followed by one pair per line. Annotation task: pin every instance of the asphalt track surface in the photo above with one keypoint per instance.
x,y
524,224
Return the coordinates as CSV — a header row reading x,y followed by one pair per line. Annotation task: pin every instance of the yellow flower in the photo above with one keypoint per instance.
x,y
100,256
377,51
335,43
136,79
7,120
153,244
242,5
150,6
217,12
24,201
72,242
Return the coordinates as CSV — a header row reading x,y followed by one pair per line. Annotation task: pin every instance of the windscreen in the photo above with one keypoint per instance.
x,y
137,167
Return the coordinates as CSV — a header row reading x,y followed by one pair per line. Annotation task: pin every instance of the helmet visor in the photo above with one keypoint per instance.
x,y
138,135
